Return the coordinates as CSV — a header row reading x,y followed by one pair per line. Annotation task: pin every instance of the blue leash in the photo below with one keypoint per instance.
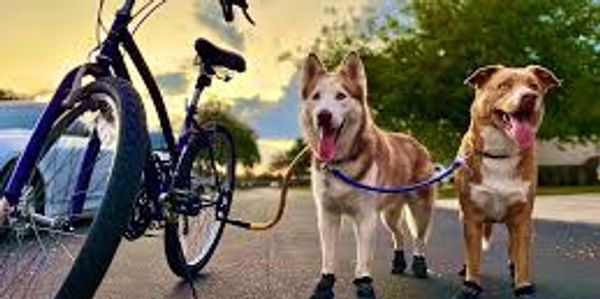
x,y
437,177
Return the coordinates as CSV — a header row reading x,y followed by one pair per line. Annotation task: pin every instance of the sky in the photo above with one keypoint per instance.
x,y
42,39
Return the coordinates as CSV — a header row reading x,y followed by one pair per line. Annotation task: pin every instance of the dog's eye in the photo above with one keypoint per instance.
x,y
534,86
316,96
504,85
340,96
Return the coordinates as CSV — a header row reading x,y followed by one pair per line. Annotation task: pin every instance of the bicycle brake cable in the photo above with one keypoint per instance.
x,y
99,28
146,5
147,15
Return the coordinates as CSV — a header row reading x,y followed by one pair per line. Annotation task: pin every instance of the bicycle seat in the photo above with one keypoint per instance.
x,y
212,55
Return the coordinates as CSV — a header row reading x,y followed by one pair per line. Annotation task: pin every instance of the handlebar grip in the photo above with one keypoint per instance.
x,y
227,7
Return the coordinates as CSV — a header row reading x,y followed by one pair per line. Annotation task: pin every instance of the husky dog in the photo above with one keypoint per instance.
x,y
337,125
500,180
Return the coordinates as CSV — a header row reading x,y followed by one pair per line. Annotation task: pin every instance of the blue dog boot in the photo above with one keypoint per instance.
x,y
364,288
419,267
470,290
399,263
526,292
324,289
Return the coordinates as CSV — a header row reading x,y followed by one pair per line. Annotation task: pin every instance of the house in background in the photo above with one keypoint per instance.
x,y
568,163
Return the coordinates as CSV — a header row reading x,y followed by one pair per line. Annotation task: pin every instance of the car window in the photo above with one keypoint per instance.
x,y
19,115
157,140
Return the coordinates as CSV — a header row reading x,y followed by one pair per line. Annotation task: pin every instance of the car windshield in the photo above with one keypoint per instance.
x,y
20,115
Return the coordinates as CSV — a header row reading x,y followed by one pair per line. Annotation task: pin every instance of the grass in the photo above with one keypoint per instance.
x,y
448,192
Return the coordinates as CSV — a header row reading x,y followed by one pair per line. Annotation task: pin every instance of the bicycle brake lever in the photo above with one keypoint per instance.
x,y
248,17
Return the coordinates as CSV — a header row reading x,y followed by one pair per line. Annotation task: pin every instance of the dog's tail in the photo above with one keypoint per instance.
x,y
487,236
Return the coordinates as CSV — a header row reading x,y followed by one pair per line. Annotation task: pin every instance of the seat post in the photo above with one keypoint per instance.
x,y
202,82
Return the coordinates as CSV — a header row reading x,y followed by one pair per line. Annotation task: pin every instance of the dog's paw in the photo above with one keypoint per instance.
x,y
526,292
324,289
470,290
399,263
419,267
364,288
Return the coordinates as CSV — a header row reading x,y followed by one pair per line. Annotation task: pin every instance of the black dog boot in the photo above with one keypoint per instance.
x,y
526,292
419,267
470,290
324,289
511,270
399,263
463,271
364,288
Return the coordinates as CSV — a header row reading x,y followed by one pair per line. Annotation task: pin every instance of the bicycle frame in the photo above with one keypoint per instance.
x,y
110,62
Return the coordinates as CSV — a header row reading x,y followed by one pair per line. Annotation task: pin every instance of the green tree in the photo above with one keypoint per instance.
x,y
416,62
245,138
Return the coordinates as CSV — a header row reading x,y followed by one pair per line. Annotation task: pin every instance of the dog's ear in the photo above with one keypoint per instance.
x,y
353,72
545,76
313,68
479,77
353,68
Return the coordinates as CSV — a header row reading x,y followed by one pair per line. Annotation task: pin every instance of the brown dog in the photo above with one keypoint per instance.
x,y
499,181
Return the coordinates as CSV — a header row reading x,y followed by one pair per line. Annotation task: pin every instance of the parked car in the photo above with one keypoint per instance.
x,y
57,180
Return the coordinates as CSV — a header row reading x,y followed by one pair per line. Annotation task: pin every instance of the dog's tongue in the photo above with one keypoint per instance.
x,y
522,132
327,145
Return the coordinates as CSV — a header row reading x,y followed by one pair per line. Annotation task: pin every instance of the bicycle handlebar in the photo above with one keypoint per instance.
x,y
226,6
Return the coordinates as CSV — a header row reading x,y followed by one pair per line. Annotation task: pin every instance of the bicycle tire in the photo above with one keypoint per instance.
x,y
173,245
106,231
90,263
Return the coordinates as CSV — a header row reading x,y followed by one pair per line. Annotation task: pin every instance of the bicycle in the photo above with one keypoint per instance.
x,y
95,125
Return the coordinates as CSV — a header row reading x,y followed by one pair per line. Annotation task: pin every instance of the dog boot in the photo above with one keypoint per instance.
x,y
463,271
324,289
399,263
511,270
526,292
470,290
364,288
419,266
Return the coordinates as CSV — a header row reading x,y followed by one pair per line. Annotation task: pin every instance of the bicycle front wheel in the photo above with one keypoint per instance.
x,y
205,179
74,207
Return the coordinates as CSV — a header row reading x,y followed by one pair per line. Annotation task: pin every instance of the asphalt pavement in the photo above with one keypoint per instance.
x,y
284,262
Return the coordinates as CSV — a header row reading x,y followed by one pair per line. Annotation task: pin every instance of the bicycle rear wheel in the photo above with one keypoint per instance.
x,y
69,222
206,177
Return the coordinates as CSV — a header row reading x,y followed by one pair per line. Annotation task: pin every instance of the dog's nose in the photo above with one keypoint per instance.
x,y
324,118
528,99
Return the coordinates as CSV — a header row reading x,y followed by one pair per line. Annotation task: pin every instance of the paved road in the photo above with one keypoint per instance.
x,y
284,262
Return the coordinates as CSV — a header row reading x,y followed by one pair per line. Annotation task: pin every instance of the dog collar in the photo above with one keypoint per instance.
x,y
492,156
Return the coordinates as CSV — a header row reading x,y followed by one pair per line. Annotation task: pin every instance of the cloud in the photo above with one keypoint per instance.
x,y
172,83
272,120
209,14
